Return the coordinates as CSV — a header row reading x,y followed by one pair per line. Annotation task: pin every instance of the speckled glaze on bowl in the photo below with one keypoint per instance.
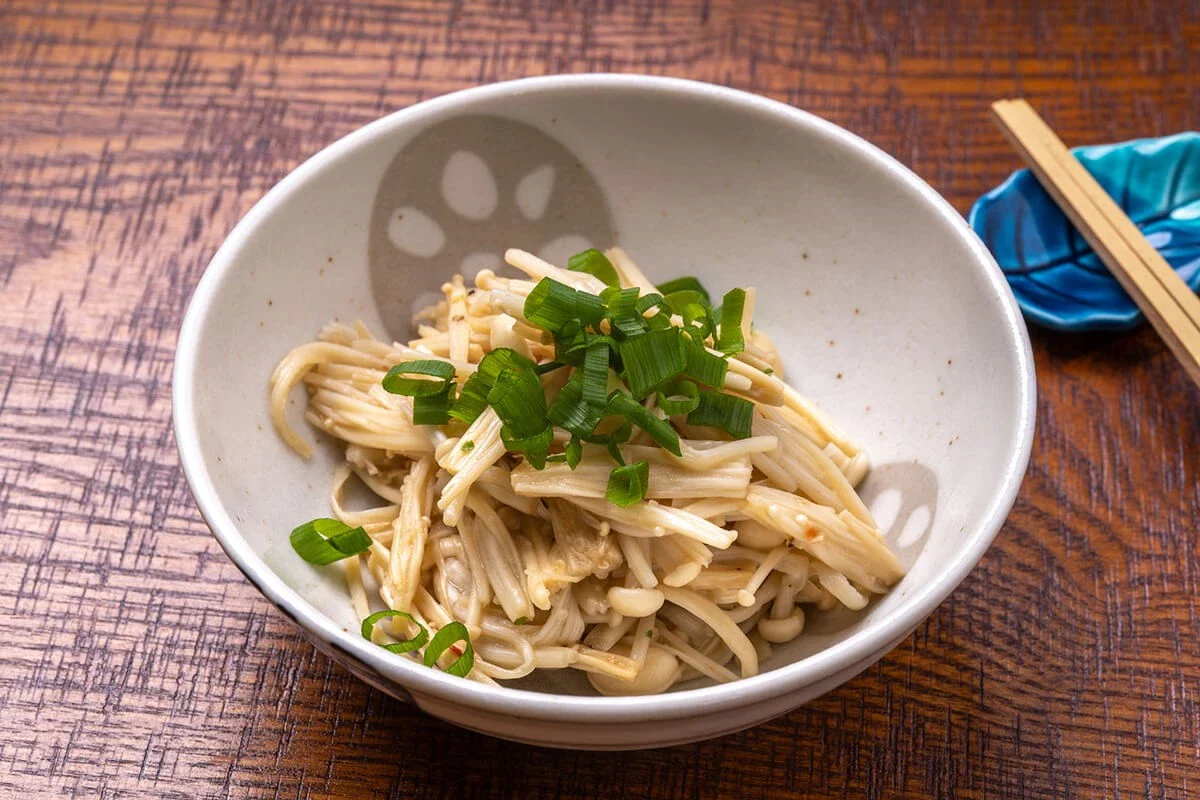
x,y
889,311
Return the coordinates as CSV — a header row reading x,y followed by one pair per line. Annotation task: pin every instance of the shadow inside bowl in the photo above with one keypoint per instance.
x,y
502,183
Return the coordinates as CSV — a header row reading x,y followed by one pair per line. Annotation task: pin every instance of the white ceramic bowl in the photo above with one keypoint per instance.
x,y
889,312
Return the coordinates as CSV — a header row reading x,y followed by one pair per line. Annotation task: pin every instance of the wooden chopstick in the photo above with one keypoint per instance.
x,y
1170,305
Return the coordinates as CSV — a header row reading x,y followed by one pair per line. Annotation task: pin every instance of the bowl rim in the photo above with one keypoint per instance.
x,y
871,642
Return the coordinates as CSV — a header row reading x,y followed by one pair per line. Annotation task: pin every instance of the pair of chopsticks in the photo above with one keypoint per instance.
x,y
1168,303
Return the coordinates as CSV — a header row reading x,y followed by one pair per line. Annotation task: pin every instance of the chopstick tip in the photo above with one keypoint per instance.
x,y
1009,102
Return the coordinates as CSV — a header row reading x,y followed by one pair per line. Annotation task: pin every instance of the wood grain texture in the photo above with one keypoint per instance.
x,y
135,661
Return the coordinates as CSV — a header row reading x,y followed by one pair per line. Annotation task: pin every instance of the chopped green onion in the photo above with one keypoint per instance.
x,y
519,401
768,371
693,307
534,447
557,458
574,452
683,298
552,304
703,366
472,400
622,311
593,262
324,541
679,397
403,646
652,359
717,410
613,439
572,340
618,435
467,446
649,301
698,322
654,300
396,383
569,340
595,374
686,283
731,340
450,634
621,404
627,485
662,318
570,412
474,397
434,409
578,342
589,308
521,621
660,321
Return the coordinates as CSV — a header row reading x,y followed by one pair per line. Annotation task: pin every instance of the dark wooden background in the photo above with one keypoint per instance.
x,y
135,661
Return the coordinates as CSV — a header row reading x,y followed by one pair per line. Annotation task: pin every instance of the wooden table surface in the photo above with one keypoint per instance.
x,y
136,661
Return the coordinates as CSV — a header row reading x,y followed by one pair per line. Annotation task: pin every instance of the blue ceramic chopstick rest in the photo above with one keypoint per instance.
x,y
1057,279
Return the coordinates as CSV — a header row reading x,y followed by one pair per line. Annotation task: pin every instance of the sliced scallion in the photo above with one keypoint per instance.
x,y
593,262
570,412
622,311
662,316
679,397
397,382
730,340
595,374
569,343
434,409
474,397
649,301
534,447
679,300
551,304
685,283
572,341
449,635
622,405
324,541
613,439
519,401
698,322
692,306
734,415
703,366
618,435
652,359
573,452
627,484
404,645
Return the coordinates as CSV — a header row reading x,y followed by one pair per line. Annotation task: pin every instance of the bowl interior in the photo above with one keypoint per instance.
x,y
885,314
